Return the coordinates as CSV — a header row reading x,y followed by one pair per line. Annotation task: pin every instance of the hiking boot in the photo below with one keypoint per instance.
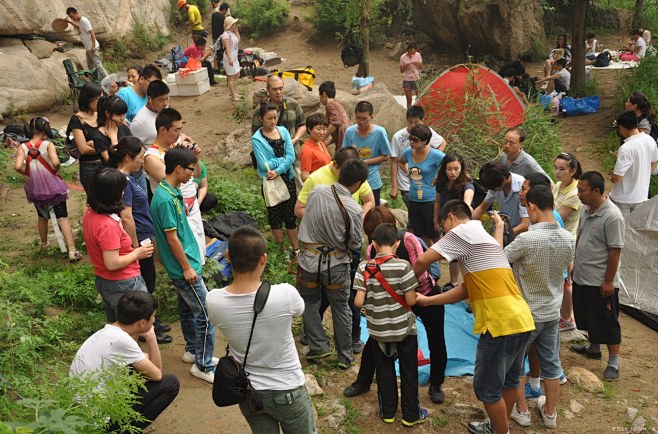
x,y
484,427
161,327
436,394
422,418
357,346
611,373
344,365
189,358
549,421
584,351
356,389
522,419
315,355
531,393
567,324
208,376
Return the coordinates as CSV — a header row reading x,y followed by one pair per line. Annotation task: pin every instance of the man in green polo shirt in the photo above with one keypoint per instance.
x,y
181,258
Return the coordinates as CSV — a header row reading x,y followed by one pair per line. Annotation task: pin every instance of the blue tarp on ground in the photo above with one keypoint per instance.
x,y
460,342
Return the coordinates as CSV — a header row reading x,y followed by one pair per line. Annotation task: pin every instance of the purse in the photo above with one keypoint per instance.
x,y
275,191
232,385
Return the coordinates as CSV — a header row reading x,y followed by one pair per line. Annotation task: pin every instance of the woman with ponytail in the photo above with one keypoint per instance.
x,y
128,157
646,115
111,125
44,188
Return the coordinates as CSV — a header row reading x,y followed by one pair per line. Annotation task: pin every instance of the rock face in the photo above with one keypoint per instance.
x,y
502,28
108,17
235,147
41,82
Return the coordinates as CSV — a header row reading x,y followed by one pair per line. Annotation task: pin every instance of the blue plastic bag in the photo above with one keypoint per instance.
x,y
580,106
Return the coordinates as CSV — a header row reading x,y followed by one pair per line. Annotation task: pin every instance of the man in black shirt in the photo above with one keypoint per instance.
x,y
217,27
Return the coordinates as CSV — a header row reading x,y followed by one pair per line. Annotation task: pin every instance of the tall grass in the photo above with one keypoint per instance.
x,y
474,124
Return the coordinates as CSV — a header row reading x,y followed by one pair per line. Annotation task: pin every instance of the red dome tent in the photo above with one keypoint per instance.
x,y
470,87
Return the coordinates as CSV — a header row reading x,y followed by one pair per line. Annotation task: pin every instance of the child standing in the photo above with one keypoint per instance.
x,y
44,188
386,287
314,152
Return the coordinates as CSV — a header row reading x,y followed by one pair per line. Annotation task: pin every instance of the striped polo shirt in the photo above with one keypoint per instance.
x,y
497,303
388,320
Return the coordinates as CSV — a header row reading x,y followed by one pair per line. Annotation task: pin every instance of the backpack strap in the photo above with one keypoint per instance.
x,y
34,154
372,270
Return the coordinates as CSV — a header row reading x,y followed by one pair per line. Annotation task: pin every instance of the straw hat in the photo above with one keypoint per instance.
x,y
59,24
229,21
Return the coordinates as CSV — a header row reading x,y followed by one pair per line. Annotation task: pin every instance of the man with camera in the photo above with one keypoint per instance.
x,y
280,400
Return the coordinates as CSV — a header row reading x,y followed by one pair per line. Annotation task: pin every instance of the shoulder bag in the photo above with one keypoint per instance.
x,y
232,385
275,191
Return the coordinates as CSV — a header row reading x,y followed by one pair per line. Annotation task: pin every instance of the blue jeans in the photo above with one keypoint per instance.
x,y
112,290
198,331
290,410
498,365
546,337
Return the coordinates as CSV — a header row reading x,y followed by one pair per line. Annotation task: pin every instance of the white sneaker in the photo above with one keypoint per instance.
x,y
549,421
522,419
189,358
206,376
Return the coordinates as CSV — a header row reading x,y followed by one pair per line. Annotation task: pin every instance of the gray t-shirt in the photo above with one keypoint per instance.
x,y
523,164
597,233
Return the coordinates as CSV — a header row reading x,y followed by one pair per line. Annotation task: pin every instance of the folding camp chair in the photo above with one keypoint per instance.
x,y
77,79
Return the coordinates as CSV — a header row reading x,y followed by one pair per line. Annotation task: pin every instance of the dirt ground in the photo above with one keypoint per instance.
x,y
208,119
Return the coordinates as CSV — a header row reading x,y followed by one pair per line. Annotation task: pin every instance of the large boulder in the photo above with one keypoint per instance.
x,y
31,84
235,147
108,17
502,28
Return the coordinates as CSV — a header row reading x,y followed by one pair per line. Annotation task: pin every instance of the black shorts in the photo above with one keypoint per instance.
x,y
421,219
597,315
408,84
60,211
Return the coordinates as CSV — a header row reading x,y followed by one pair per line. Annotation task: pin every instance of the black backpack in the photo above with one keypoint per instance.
x,y
603,59
353,53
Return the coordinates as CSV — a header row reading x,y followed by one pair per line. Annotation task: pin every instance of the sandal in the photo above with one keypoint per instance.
x,y
74,256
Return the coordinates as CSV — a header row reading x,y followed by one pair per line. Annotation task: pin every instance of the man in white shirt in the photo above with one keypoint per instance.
x,y
636,160
88,38
399,143
273,363
115,345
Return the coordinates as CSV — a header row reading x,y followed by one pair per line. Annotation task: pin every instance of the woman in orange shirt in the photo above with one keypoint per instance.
x,y
314,152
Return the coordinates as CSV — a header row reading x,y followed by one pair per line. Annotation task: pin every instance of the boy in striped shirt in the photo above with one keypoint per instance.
x,y
386,287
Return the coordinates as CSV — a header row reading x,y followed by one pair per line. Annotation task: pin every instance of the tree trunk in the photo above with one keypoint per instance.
x,y
364,68
637,15
578,46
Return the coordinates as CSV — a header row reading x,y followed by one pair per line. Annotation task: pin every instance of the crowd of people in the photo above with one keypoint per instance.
x,y
550,264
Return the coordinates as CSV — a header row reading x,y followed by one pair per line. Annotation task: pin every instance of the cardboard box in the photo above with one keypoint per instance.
x,y
194,89
192,77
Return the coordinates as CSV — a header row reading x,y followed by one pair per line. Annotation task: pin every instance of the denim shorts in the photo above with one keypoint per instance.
x,y
498,365
546,337
112,290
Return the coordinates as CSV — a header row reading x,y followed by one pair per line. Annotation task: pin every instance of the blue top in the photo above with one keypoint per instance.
x,y
135,197
444,193
132,100
373,145
265,154
422,174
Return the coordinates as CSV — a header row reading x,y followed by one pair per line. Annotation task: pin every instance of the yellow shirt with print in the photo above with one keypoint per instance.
x,y
325,176
194,18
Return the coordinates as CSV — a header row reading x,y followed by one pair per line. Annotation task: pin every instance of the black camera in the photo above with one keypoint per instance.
x,y
122,84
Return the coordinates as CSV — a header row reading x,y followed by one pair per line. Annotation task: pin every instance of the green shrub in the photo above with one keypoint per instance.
x,y
263,17
332,17
240,194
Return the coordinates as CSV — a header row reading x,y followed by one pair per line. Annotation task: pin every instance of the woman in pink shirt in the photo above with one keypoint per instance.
x,y
116,263
411,63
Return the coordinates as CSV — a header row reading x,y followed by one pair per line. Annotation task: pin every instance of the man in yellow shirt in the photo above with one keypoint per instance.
x,y
502,317
193,19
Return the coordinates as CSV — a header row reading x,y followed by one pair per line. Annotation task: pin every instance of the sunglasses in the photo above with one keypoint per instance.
x,y
414,139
